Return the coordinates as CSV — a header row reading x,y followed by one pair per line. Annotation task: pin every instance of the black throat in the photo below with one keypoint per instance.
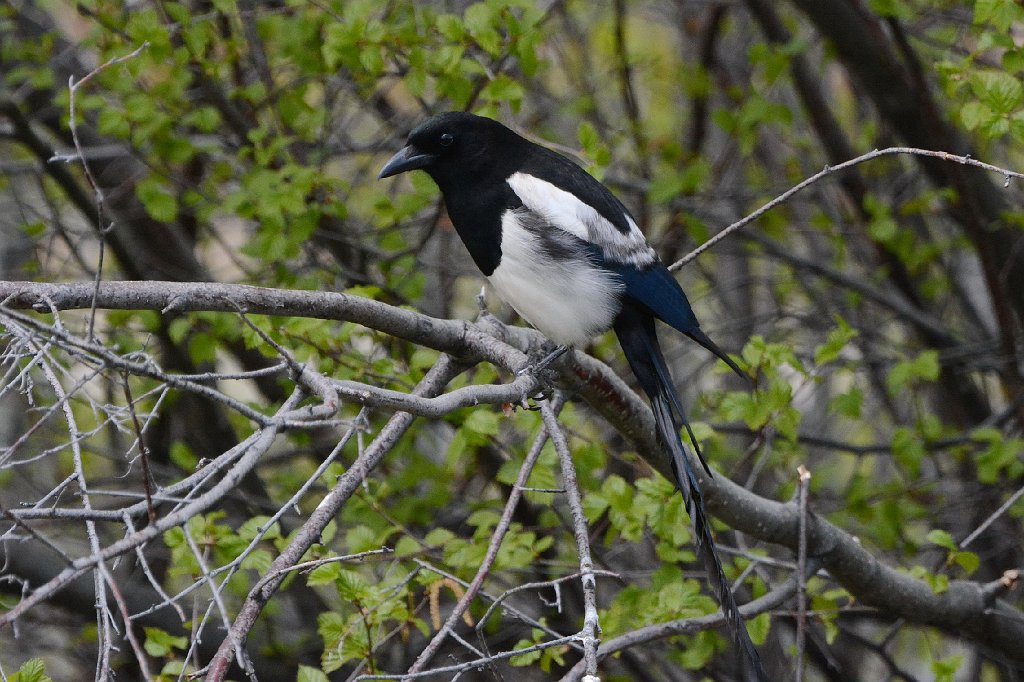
x,y
476,205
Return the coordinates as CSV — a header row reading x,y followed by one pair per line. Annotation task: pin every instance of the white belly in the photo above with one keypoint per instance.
x,y
568,299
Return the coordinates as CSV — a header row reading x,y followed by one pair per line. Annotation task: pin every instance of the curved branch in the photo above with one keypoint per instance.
x,y
830,170
966,607
181,297
478,394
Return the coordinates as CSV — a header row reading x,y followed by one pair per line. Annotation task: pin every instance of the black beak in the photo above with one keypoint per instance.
x,y
408,158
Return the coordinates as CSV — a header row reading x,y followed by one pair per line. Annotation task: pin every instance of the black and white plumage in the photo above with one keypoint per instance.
x,y
559,248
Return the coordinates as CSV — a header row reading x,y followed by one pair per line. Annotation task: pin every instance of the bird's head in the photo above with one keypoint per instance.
x,y
453,144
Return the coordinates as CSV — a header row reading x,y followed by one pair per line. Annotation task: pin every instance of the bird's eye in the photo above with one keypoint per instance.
x,y
447,139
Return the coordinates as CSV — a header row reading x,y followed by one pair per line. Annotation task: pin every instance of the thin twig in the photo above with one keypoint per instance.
x,y
73,87
475,663
251,448
1010,501
829,170
432,383
591,625
553,583
103,616
147,476
803,482
129,631
500,530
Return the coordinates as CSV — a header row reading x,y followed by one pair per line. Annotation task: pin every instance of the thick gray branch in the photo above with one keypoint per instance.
x,y
965,607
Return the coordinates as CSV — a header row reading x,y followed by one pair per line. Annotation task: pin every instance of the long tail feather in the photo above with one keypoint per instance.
x,y
686,480
698,335
635,330
664,379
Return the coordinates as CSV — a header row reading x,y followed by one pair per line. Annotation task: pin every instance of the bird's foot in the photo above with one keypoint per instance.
x,y
540,368
539,362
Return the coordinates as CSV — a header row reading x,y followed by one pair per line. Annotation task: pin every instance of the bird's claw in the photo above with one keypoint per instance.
x,y
545,378
539,368
540,361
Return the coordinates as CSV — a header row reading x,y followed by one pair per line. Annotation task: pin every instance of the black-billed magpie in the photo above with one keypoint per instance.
x,y
559,248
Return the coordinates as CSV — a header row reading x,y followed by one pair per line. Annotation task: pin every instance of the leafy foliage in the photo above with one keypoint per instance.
x,y
878,313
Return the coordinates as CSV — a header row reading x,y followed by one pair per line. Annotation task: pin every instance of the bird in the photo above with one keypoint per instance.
x,y
556,245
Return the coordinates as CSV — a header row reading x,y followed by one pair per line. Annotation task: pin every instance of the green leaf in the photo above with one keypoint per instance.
x,y
849,403
1001,453
340,46
758,628
183,457
925,367
480,20
999,91
258,560
361,539
34,229
324,574
203,347
523,660
593,146
503,89
406,547
157,200
257,526
114,123
482,421
698,652
205,119
669,184
1013,60
450,27
837,340
975,114
310,674
32,670
594,505
939,582
945,669
908,450
352,586
1001,14
969,561
371,58
159,643
942,539
484,519
892,8
438,537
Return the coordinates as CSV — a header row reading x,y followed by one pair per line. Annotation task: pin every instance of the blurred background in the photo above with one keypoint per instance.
x,y
879,310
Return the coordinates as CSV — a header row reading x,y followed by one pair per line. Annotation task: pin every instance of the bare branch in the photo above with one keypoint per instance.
x,y
73,88
252,450
829,170
962,608
432,383
500,530
803,482
591,624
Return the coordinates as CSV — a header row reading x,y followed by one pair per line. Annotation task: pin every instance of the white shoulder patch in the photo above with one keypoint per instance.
x,y
565,211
